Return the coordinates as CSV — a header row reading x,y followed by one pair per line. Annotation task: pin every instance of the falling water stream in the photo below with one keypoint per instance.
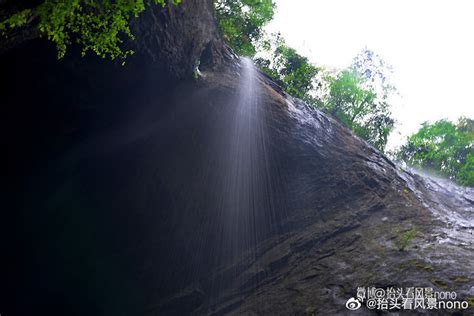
x,y
246,199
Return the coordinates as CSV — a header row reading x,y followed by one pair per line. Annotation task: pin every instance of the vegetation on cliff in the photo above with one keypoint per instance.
x,y
241,23
97,26
359,97
443,147
292,71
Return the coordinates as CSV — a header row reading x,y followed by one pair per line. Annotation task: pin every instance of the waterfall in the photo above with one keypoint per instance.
x,y
245,199
244,178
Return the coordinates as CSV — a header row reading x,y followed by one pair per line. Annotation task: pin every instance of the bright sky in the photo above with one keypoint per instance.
x,y
429,43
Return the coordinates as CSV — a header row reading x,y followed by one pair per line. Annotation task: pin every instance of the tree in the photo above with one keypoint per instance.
x,y
97,26
359,97
293,72
241,23
443,147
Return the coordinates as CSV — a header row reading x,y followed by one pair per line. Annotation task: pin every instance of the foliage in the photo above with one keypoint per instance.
x,y
241,23
293,72
404,239
443,147
359,97
15,20
97,26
